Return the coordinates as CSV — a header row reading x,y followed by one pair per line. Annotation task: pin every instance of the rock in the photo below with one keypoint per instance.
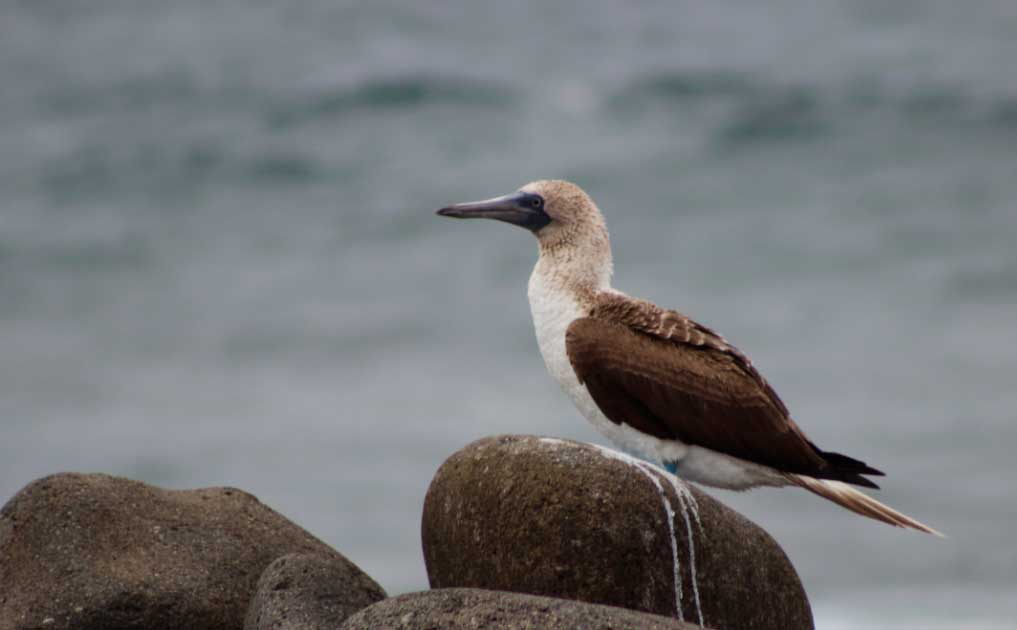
x,y
95,551
455,608
576,521
301,592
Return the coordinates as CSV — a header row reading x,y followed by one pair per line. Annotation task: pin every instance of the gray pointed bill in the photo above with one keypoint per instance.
x,y
523,209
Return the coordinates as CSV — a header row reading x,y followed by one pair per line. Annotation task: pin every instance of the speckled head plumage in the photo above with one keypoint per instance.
x,y
574,217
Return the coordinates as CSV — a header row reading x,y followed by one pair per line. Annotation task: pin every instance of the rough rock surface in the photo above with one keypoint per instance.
x,y
563,519
303,592
457,608
95,551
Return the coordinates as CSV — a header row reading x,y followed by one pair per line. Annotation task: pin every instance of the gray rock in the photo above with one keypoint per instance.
x,y
457,608
94,551
563,519
306,592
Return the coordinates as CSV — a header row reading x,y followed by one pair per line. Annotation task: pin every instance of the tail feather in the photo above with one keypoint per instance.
x,y
858,502
838,460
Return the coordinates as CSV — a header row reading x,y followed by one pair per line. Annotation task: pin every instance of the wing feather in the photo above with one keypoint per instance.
x,y
666,375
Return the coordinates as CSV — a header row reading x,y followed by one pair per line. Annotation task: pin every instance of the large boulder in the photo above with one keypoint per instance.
x,y
95,551
303,592
576,521
461,608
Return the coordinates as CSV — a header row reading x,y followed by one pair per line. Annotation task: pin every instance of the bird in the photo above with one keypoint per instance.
x,y
653,381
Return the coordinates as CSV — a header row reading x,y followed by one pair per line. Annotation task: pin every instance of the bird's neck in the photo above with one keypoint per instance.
x,y
580,269
564,286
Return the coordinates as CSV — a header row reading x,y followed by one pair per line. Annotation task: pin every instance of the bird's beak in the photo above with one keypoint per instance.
x,y
522,209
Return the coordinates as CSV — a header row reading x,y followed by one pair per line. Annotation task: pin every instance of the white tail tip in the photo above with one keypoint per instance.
x,y
860,503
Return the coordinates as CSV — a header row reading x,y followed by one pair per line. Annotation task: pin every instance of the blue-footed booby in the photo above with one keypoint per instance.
x,y
654,381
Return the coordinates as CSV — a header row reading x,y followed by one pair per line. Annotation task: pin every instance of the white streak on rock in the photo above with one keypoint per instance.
x,y
687,502
670,514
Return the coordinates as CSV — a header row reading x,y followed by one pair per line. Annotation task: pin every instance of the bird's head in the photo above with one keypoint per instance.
x,y
574,246
557,212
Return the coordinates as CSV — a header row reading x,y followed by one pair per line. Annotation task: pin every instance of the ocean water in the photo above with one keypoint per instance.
x,y
219,262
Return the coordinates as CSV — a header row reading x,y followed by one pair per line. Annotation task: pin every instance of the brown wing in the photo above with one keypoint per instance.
x,y
663,374
648,318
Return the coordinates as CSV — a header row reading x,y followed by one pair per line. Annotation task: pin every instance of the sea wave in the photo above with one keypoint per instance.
x,y
753,108
388,94
98,171
158,89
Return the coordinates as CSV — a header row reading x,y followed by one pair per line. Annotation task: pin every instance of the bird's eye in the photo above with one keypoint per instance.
x,y
536,202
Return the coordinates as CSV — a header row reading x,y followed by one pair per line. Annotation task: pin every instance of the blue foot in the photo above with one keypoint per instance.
x,y
671,467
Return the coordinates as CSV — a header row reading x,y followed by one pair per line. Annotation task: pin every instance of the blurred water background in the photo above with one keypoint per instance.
x,y
219,262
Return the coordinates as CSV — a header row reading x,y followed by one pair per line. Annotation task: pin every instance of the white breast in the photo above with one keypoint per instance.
x,y
554,308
